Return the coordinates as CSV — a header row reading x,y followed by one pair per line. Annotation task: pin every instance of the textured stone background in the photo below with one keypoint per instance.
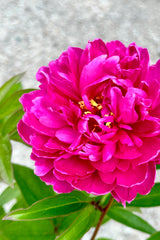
x,y
33,32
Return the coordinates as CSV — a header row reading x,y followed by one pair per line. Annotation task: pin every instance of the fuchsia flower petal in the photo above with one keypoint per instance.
x,y
94,124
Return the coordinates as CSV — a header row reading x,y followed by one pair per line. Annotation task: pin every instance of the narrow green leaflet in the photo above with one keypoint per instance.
x,y
155,236
59,205
97,216
105,199
134,209
10,87
150,200
1,124
39,230
2,213
10,125
32,188
129,219
62,223
8,194
81,225
12,103
6,173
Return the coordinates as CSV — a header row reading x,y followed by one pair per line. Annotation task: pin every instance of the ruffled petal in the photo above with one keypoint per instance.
x,y
73,166
93,185
59,186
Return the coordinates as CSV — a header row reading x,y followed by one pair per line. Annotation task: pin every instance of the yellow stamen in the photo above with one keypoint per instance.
x,y
82,105
110,114
108,124
93,103
86,112
96,105
99,107
99,97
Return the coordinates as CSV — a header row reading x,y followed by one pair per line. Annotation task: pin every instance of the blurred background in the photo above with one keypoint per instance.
x,y
34,32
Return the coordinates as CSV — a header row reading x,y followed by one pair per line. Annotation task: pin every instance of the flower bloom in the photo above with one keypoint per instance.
x,y
94,124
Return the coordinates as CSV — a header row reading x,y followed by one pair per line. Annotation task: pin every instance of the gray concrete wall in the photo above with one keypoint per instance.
x,y
34,32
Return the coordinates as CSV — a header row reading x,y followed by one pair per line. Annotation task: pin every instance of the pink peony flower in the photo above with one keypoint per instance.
x,y
94,124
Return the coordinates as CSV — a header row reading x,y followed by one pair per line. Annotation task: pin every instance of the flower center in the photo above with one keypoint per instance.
x,y
96,105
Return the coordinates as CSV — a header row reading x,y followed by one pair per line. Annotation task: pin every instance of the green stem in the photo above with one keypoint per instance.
x,y
104,211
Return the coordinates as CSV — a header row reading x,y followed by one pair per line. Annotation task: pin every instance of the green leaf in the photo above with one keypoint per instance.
x,y
10,87
134,209
81,225
105,199
155,236
62,223
5,157
97,216
158,166
150,200
37,230
9,193
10,126
32,188
12,103
1,124
59,205
129,219
2,213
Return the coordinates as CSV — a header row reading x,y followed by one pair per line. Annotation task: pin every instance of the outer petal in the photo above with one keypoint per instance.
x,y
25,132
59,186
122,194
50,119
73,166
128,178
30,120
92,71
123,151
27,99
153,81
150,150
146,186
61,78
74,56
93,49
144,62
43,167
105,167
93,185
43,76
116,48
108,150
66,134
